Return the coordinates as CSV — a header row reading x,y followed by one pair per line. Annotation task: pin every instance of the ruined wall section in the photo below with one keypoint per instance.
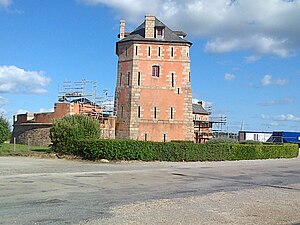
x,y
32,134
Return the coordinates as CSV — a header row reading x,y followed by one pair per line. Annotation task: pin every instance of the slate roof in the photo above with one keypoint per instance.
x,y
169,35
198,109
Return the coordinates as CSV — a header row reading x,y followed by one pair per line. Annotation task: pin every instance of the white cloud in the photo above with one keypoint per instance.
x,y
42,110
229,77
287,117
281,82
268,80
264,117
252,58
3,101
22,111
279,102
5,3
274,124
264,27
17,80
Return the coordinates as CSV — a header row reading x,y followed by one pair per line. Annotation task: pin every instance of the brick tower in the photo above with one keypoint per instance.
x,y
153,99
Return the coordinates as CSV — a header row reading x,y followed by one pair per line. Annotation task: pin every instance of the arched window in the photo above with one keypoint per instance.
x,y
155,71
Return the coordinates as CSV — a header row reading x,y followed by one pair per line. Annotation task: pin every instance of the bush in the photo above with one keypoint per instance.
x,y
222,140
66,130
4,130
174,151
248,142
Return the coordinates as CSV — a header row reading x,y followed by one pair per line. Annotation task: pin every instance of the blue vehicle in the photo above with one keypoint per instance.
x,y
286,137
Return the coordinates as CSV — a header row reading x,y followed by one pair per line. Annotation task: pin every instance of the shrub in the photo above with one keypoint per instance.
x,y
66,130
174,151
221,140
4,130
251,142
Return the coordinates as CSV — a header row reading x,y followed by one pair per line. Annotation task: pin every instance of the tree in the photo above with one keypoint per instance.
x,y
4,129
68,129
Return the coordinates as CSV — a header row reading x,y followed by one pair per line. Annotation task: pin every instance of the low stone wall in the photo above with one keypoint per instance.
x,y
33,134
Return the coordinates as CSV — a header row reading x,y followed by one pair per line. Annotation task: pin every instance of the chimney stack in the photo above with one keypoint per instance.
x,y
149,26
122,29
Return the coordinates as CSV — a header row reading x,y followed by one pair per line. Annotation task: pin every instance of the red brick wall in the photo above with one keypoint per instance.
x,y
148,92
43,117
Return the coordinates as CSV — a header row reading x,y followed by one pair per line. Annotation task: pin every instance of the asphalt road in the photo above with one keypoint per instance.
x,y
53,191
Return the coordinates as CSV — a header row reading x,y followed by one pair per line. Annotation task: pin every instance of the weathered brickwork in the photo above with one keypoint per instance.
x,y
149,107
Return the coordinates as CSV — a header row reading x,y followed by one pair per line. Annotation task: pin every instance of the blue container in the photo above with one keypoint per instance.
x,y
286,137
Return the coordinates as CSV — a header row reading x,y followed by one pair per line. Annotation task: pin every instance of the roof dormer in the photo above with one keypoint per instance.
x,y
159,32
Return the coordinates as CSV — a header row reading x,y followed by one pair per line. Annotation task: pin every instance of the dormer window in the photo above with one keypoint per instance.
x,y
160,32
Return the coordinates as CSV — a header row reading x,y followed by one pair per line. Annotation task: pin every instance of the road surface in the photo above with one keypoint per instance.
x,y
55,191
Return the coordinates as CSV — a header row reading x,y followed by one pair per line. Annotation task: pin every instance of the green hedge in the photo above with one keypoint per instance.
x,y
172,151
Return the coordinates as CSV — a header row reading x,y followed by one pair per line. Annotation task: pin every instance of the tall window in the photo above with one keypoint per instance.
x,y
128,78
139,79
155,71
178,90
165,137
136,50
149,51
139,111
155,113
172,52
171,113
189,76
122,112
172,79
121,79
158,51
146,137
126,49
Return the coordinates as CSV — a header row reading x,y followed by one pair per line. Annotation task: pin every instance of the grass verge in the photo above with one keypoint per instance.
x,y
9,150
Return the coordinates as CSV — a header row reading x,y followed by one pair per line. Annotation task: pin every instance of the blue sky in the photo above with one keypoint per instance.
x,y
245,60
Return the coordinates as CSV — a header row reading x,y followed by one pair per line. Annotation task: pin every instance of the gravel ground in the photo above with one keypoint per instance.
x,y
256,206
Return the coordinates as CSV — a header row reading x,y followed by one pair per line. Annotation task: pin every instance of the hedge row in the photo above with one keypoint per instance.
x,y
172,151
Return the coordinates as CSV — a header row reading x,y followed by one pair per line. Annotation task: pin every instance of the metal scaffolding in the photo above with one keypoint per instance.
x,y
85,92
